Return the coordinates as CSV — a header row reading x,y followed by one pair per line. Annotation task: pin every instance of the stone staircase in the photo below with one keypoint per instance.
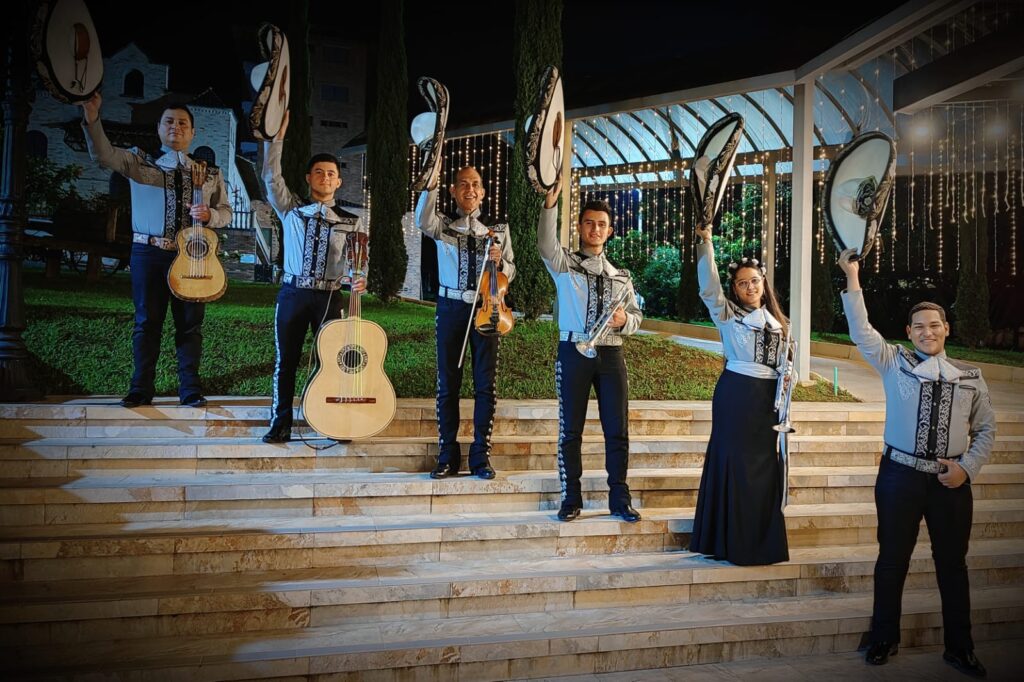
x,y
167,543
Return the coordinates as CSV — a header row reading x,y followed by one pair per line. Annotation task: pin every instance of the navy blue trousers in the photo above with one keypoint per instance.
x,y
297,312
903,496
150,294
574,377
452,318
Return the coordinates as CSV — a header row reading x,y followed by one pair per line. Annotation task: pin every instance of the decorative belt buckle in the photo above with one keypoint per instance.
x,y
469,295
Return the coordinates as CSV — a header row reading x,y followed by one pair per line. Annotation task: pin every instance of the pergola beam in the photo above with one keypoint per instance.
x,y
989,58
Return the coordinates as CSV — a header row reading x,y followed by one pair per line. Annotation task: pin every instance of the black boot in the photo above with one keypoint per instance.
x,y
879,652
280,432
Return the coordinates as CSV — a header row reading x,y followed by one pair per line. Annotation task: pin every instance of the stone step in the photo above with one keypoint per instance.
x,y
227,545
415,418
501,647
128,608
112,499
56,457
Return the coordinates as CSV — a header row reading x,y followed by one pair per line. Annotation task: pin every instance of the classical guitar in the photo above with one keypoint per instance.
x,y
196,274
350,396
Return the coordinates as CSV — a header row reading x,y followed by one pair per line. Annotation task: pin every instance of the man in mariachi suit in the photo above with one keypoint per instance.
x,y
939,431
461,240
161,190
315,265
587,285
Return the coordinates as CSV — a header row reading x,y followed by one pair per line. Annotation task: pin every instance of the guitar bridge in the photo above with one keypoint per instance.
x,y
349,401
197,276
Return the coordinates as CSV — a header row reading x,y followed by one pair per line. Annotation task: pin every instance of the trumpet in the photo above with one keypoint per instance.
x,y
784,386
600,329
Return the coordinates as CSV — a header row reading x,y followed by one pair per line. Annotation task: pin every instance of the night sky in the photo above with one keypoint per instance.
x,y
612,50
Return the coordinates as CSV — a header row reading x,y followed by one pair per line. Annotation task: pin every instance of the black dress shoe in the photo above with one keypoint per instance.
x,y
627,514
485,472
569,512
135,399
879,652
194,400
278,433
966,662
443,470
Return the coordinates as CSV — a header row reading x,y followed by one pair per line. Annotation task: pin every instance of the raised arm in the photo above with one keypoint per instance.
x,y
427,218
122,161
879,353
707,277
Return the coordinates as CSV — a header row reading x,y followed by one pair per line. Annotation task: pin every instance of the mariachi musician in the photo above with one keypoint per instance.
x,y
315,265
596,305
461,240
161,190
462,253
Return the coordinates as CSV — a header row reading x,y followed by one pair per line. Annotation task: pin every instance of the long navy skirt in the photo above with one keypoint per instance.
x,y
738,517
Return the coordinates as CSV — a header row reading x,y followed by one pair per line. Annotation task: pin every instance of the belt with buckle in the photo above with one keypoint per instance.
x,y
465,295
152,240
929,466
573,336
310,283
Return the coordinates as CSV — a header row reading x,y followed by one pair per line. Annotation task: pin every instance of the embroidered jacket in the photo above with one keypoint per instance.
x,y
934,406
586,285
314,233
460,243
161,187
751,339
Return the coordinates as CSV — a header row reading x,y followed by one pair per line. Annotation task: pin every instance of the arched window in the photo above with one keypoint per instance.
x,y
205,154
133,84
38,145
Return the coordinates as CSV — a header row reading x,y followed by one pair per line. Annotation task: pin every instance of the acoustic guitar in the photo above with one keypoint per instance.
x,y
349,396
196,274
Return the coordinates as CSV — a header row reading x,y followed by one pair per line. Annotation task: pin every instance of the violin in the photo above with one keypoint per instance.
x,y
493,316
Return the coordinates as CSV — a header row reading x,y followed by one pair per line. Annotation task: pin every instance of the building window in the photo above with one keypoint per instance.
x,y
334,93
324,123
335,54
205,154
134,83
38,145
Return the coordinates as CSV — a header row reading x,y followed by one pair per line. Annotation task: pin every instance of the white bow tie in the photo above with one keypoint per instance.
x,y
759,318
469,226
595,265
935,368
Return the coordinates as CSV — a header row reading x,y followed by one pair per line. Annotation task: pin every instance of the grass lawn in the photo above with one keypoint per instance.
x,y
993,355
80,335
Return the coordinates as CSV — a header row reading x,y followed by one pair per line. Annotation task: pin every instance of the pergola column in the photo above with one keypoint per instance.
x,y
770,218
802,224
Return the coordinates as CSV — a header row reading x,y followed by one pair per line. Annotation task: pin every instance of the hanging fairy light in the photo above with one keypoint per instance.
x,y
820,214
910,207
984,161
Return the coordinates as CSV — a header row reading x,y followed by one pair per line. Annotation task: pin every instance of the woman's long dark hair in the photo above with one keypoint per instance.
x,y
769,300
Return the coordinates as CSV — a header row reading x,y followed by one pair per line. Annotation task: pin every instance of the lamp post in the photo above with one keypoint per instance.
x,y
16,383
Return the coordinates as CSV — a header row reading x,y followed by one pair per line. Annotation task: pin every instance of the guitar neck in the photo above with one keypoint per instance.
x,y
355,302
197,199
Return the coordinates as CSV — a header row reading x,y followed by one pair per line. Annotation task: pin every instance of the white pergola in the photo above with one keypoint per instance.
x,y
790,115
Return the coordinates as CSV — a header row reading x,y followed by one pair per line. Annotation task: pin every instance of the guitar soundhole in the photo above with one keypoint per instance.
x,y
352,359
197,248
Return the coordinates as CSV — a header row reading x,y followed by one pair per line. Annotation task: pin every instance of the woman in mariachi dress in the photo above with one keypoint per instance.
x,y
739,512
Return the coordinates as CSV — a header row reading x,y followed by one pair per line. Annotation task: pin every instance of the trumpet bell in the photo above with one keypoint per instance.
x,y
586,349
784,428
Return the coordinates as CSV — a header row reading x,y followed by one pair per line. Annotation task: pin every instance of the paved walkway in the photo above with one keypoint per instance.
x,y
863,382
